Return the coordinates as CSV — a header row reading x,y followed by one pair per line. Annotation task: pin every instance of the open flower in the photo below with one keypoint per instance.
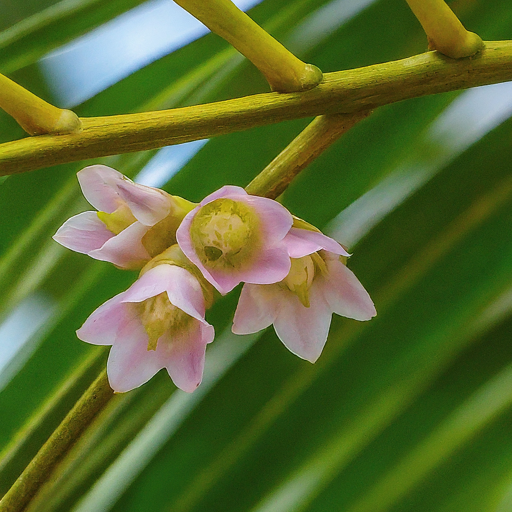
x,y
133,224
301,305
157,323
233,237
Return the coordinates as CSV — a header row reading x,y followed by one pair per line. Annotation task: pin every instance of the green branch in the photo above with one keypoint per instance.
x,y
341,92
39,469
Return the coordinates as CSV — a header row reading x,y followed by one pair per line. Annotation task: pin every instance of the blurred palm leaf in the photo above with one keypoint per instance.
x,y
409,412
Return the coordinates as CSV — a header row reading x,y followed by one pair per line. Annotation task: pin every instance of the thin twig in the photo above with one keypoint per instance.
x,y
308,145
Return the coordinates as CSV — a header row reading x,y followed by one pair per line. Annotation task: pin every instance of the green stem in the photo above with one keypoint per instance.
x,y
283,71
445,32
308,145
33,114
348,91
37,472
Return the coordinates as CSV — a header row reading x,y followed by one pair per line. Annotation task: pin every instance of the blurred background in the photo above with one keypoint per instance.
x,y
409,412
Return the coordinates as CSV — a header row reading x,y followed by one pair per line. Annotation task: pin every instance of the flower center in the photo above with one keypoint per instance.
x,y
118,220
300,278
159,316
225,234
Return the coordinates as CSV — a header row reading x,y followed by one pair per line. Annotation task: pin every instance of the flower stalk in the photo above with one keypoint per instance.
x,y
33,114
445,32
284,72
308,145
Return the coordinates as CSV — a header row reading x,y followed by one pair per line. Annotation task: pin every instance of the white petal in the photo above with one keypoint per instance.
x,y
257,308
130,363
304,330
148,205
345,294
99,186
83,233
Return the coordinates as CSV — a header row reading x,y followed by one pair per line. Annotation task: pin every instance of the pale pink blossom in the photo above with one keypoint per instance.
x,y
233,237
126,213
157,323
300,307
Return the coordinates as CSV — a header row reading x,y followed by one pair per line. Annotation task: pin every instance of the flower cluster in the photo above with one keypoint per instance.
x,y
294,276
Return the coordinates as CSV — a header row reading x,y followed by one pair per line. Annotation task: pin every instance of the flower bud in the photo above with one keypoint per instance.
x,y
118,220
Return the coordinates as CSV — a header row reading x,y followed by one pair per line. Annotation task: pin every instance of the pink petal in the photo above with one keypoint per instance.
x,y
183,289
83,233
271,266
130,363
185,354
257,308
303,330
150,284
99,186
272,263
103,324
276,220
224,282
230,191
183,236
185,242
148,205
185,292
345,294
301,242
125,249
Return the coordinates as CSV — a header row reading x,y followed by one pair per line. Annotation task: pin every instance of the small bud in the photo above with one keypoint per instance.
x,y
118,220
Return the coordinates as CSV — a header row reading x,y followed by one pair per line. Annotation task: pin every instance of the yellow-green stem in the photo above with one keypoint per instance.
x,y
308,145
39,469
445,32
283,71
33,114
348,91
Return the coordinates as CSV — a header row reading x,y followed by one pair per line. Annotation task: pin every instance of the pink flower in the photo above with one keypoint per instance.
x,y
233,237
121,231
157,323
301,306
